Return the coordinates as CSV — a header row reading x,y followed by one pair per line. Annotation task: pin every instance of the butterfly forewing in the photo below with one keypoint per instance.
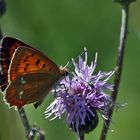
x,y
27,60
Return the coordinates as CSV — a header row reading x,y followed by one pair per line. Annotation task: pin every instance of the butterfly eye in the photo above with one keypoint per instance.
x,y
66,73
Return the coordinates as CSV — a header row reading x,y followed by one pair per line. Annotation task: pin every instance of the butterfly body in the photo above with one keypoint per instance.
x,y
27,74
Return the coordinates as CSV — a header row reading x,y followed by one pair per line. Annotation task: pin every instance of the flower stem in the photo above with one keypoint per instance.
x,y
121,48
30,132
24,121
2,12
81,137
2,7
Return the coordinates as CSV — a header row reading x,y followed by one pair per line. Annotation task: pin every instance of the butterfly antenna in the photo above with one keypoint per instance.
x,y
69,63
66,64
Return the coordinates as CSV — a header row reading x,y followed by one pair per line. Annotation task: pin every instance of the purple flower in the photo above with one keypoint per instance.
x,y
81,95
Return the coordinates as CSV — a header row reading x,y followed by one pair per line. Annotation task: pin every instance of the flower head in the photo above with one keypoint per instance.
x,y
81,95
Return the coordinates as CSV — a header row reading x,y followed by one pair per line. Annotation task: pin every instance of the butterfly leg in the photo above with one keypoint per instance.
x,y
63,86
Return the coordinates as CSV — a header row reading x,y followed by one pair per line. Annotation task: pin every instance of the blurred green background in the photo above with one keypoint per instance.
x,y
61,29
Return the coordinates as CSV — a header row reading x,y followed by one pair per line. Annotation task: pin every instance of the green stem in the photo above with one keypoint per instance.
x,y
30,132
81,137
24,120
2,12
121,48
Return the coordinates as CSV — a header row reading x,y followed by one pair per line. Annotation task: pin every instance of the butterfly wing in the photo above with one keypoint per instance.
x,y
27,60
29,88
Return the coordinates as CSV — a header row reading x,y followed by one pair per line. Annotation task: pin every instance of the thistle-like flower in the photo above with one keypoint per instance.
x,y
81,96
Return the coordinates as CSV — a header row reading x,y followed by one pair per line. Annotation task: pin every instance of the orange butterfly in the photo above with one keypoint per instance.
x,y
27,75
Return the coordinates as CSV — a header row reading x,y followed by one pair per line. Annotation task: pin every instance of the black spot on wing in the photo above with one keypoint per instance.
x,y
38,61
26,66
43,66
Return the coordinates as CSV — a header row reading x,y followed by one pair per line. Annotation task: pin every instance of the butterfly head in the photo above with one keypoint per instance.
x,y
63,71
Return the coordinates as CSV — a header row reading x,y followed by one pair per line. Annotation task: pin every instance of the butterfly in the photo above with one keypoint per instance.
x,y
26,74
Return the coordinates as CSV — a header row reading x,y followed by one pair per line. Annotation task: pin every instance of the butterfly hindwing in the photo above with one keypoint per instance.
x,y
29,88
